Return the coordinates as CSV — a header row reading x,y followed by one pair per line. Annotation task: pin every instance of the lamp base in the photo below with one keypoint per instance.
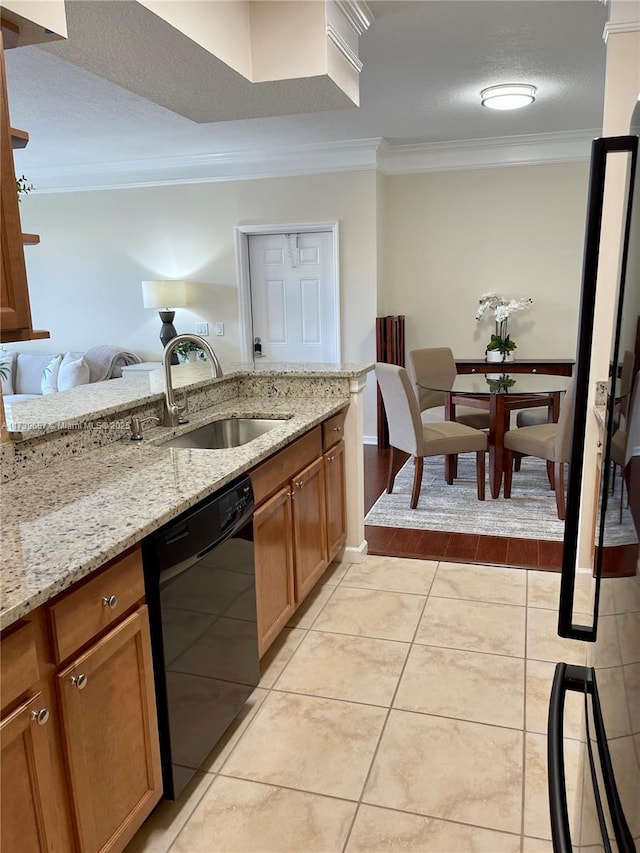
x,y
168,331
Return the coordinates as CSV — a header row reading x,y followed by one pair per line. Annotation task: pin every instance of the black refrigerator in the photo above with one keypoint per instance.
x,y
595,805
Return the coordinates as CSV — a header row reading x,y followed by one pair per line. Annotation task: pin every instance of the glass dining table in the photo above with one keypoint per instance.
x,y
501,394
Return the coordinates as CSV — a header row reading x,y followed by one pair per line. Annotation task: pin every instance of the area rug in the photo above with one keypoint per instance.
x,y
530,512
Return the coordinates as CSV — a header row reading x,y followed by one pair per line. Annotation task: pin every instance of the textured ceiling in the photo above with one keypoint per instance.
x,y
425,62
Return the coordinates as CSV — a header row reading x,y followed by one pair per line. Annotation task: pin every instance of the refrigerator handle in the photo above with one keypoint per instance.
x,y
560,828
581,679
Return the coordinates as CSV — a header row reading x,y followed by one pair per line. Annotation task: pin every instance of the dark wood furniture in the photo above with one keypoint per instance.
x,y
524,392
390,349
550,366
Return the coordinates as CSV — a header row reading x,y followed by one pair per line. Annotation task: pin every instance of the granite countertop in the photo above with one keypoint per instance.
x,y
66,520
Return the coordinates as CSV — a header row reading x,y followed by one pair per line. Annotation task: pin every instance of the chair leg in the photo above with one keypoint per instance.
x,y
550,475
558,478
417,481
480,475
393,468
508,471
517,462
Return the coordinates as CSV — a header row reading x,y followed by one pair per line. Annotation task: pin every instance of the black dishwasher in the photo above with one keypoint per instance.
x,y
200,588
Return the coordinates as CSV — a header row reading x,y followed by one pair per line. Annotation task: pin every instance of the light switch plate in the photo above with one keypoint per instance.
x,y
219,327
202,329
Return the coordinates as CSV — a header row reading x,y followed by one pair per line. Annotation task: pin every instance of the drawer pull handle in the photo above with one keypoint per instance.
x,y
40,717
110,601
300,484
534,370
79,681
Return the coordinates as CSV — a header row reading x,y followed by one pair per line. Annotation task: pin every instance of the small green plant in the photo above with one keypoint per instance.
x,y
184,348
5,369
23,187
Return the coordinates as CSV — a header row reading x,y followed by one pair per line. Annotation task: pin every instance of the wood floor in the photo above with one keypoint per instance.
x,y
436,545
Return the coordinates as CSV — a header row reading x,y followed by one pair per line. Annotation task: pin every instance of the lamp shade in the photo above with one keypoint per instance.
x,y
165,294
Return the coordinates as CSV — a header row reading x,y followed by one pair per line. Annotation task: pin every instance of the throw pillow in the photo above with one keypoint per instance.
x,y
74,371
7,364
49,382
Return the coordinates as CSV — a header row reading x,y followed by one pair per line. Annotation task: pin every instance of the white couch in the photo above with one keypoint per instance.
x,y
25,375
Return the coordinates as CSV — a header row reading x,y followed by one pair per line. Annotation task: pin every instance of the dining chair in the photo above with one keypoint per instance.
x,y
620,439
551,442
408,434
439,361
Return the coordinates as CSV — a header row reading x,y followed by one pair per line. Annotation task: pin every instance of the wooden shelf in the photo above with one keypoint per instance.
x,y
30,239
19,138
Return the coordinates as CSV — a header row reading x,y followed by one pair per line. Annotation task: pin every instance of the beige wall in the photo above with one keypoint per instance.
x,y
451,236
423,245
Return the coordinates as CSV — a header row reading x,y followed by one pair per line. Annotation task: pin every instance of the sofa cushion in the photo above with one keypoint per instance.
x,y
8,368
73,371
28,375
49,383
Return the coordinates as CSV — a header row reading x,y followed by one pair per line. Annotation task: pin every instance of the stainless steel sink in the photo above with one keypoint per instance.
x,y
229,432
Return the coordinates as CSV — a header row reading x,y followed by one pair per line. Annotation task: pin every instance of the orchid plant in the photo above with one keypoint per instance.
x,y
502,308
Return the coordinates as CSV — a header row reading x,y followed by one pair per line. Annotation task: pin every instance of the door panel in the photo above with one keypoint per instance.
x,y
293,296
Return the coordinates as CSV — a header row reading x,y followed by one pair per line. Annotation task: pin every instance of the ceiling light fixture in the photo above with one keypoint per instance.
x,y
508,96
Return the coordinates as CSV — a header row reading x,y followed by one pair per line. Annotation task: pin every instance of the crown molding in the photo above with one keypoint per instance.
x,y
349,54
357,14
286,161
529,149
610,28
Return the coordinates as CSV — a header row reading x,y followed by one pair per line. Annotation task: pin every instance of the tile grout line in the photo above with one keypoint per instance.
x,y
524,717
388,714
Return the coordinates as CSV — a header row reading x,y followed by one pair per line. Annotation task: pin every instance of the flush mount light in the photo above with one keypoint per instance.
x,y
508,96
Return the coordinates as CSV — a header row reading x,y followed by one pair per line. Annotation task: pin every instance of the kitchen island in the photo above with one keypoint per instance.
x,y
78,499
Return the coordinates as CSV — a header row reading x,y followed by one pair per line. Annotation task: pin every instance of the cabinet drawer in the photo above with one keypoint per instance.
x,y
333,430
19,668
268,477
96,604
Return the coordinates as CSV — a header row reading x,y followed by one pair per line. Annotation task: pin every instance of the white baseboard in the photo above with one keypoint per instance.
x,y
355,554
370,439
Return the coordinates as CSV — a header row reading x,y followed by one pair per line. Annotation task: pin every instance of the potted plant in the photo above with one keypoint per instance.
x,y
189,351
501,346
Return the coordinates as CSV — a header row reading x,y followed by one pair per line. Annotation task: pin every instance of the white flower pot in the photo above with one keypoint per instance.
x,y
493,355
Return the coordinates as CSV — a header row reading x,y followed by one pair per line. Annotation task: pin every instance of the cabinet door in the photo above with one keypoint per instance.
x,y
29,819
335,499
309,527
273,554
111,735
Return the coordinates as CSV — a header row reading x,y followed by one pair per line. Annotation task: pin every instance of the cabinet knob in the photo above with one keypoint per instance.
x,y
300,484
473,370
40,717
337,429
330,458
291,495
534,369
110,601
79,681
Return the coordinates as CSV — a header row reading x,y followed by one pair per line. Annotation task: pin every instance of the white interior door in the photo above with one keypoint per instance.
x,y
294,307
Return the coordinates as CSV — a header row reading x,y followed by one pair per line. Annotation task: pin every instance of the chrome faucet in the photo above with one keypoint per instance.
x,y
175,414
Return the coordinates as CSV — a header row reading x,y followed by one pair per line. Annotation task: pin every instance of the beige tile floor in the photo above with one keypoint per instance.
x,y
403,709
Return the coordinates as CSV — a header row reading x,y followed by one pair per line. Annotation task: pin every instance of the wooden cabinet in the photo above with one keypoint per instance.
x,y
15,310
336,499
273,546
109,722
299,524
29,820
79,735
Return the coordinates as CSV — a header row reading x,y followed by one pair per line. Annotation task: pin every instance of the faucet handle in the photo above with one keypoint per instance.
x,y
136,425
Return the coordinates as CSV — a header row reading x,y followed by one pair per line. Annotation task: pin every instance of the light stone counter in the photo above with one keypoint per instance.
x,y
68,518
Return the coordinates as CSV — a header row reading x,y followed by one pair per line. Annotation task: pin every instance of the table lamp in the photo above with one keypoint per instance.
x,y
165,296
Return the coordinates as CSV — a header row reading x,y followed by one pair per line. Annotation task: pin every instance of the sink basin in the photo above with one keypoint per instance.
x,y
229,432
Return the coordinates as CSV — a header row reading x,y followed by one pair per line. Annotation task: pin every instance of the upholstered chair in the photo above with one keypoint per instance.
x,y
439,361
551,442
407,433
